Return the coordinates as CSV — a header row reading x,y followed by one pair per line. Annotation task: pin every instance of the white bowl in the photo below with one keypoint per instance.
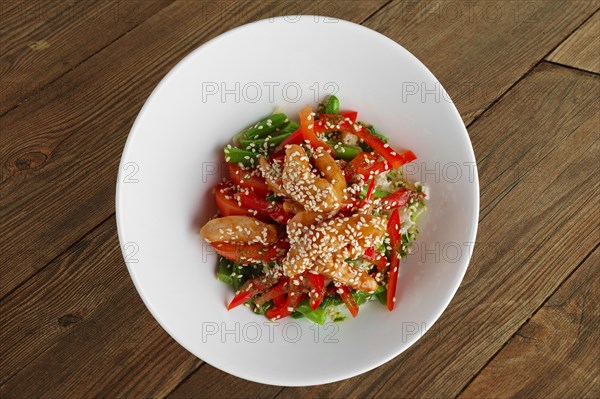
x,y
173,158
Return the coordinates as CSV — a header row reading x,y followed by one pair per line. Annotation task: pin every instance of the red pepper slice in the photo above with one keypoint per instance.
x,y
365,164
348,299
294,138
375,258
394,159
395,233
307,123
249,179
293,299
249,290
369,195
317,289
400,198
280,300
352,115
332,122
277,291
250,253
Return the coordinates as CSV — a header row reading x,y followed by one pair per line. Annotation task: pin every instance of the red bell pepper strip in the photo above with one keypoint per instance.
x,y
294,138
352,115
317,289
278,290
395,233
375,258
365,164
250,179
332,122
348,299
250,253
293,299
307,122
249,290
369,195
394,159
400,198
278,300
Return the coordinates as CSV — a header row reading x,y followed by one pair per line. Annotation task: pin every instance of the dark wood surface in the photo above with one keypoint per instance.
x,y
525,76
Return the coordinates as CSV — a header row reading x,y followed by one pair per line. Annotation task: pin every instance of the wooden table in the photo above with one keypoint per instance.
x,y
525,78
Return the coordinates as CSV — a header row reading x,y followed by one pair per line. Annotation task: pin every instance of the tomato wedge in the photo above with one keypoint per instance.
x,y
317,289
348,299
248,179
395,233
307,122
250,253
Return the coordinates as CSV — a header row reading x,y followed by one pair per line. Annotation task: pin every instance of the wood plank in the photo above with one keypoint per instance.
x,y
59,154
520,257
218,384
555,354
41,40
582,49
79,329
478,49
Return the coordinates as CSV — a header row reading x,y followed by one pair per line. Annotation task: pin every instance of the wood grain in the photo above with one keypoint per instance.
x,y
582,48
60,156
214,383
478,49
555,354
41,40
536,163
79,329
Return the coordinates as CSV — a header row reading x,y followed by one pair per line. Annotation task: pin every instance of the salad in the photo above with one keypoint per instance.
x,y
313,215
